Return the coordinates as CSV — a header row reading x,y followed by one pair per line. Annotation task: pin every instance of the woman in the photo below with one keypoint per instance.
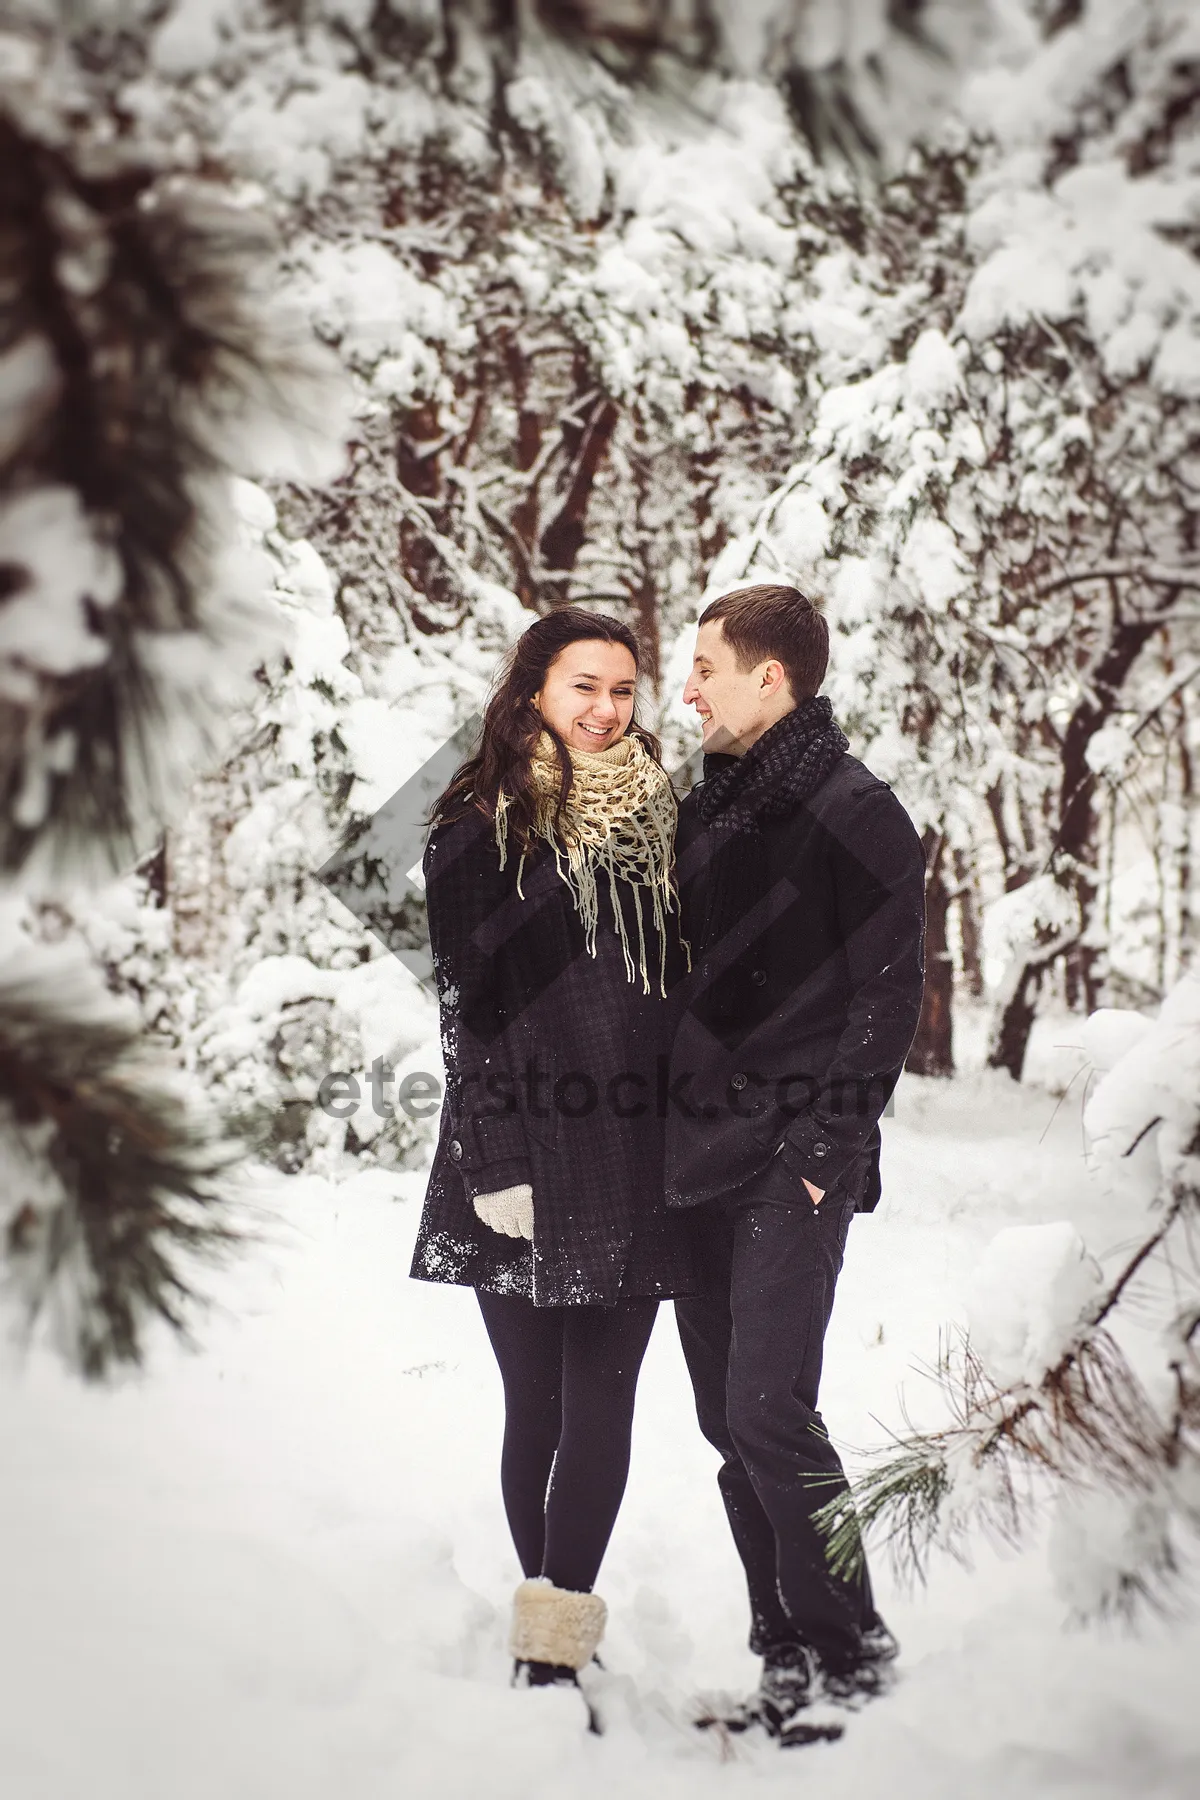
x,y
553,922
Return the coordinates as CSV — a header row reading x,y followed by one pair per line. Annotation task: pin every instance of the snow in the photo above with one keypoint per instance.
x,y
296,140
1111,753
44,625
1026,1299
1150,1097
552,109
281,1566
190,37
1100,237
932,369
932,563
365,296
276,980
1013,921
1108,1033
1093,1534
395,1018
29,385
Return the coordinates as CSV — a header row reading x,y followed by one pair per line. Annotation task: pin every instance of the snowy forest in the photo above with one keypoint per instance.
x,y
340,340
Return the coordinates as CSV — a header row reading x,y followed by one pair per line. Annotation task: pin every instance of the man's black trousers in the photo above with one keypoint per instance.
x,y
754,1352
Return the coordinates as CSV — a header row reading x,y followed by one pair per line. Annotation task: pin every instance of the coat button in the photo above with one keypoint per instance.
x,y
455,1150
737,1082
820,1148
758,977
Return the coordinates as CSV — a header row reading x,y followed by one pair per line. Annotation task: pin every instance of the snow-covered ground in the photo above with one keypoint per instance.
x,y
280,1567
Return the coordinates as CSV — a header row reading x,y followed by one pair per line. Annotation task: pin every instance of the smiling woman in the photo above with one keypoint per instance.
x,y
554,928
587,695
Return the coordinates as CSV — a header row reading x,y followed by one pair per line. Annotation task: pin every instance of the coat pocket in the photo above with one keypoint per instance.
x,y
519,1108
540,1110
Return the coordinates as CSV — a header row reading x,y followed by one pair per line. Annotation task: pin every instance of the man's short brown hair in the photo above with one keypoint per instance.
x,y
763,622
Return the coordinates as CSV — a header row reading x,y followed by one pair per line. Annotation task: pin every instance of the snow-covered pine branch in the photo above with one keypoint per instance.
x,y
1042,1391
145,354
117,1179
860,81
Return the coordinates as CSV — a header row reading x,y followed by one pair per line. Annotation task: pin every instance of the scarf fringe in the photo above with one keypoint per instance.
x,y
620,817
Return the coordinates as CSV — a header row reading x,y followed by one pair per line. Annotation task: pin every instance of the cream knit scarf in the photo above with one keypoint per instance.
x,y
620,816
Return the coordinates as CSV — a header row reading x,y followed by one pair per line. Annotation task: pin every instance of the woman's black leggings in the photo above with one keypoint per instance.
x,y
570,1375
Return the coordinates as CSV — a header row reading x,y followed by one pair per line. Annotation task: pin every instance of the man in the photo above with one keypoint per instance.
x,y
802,885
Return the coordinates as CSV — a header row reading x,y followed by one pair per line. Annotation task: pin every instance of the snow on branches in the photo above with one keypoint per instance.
x,y
136,364
999,501
1043,1390
116,1180
144,354
860,81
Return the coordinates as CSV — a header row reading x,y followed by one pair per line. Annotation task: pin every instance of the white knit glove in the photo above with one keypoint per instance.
x,y
509,1211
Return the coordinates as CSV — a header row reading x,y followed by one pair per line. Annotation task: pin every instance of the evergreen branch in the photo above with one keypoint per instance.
x,y
115,1178
146,357
901,1500
1087,1419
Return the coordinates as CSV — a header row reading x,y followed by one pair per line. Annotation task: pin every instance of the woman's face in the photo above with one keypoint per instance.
x,y
587,695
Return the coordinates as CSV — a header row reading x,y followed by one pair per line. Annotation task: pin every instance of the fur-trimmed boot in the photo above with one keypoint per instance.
x,y
555,1632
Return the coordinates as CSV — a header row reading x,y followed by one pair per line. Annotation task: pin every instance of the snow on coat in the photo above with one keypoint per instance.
x,y
553,1074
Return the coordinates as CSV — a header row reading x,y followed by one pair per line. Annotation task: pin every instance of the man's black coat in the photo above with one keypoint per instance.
x,y
807,937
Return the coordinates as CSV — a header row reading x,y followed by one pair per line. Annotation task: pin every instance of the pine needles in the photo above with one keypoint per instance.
x,y
1088,1425
144,358
114,1180
901,1500
143,355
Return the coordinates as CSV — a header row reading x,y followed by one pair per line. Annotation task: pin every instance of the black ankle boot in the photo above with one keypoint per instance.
x,y
543,1674
528,1674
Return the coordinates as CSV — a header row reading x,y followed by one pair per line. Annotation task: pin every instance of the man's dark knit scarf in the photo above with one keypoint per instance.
x,y
779,770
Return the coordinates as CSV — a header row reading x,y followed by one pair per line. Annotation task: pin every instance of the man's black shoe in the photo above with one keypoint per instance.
x,y
790,1696
787,1682
851,1685
878,1644
789,1703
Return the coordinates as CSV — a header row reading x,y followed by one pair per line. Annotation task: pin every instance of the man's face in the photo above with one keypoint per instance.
x,y
735,706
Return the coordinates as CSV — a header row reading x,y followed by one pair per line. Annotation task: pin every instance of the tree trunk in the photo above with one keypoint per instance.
x,y
932,1050
1017,869
419,470
154,869
644,588
528,449
1010,1038
1187,801
1082,967
563,537
968,924
1075,848
194,876
1074,852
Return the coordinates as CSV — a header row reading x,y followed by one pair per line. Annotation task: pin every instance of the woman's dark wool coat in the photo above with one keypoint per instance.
x,y
553,1059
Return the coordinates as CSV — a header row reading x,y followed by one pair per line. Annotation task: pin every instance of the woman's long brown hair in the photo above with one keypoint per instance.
x,y
512,724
